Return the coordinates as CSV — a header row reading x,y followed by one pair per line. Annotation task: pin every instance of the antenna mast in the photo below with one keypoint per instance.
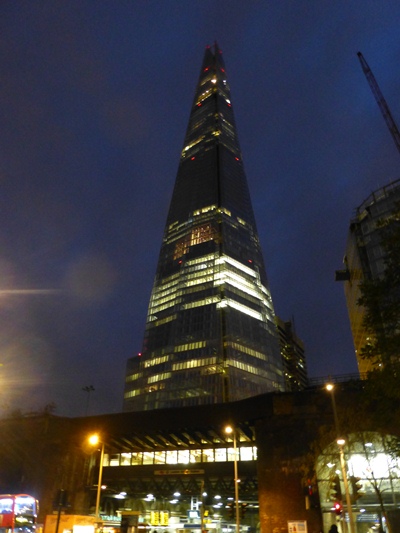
x,y
380,101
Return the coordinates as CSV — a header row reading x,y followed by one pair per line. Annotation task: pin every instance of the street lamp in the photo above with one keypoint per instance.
x,y
229,430
94,440
341,442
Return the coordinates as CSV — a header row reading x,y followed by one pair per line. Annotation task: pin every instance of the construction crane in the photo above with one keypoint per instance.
x,y
380,101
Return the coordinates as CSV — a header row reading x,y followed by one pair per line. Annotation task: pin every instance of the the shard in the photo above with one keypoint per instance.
x,y
210,333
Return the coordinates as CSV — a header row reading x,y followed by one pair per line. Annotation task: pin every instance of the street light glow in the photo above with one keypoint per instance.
x,y
94,439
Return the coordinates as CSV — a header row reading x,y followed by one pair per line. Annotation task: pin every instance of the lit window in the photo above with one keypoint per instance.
x,y
220,455
246,453
137,458
148,458
114,459
195,456
126,459
208,456
172,457
159,458
183,457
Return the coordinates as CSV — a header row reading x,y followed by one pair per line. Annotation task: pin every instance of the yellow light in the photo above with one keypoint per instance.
x,y
228,429
94,439
329,386
341,442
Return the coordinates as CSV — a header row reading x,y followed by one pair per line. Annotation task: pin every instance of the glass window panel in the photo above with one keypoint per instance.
x,y
126,459
148,458
172,457
159,458
137,458
114,459
106,460
246,454
208,456
255,452
195,456
183,457
220,454
231,454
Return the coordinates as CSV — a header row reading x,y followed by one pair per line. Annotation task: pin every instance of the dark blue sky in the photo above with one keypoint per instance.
x,y
94,103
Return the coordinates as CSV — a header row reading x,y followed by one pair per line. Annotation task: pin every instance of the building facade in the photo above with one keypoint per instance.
x,y
174,471
293,357
210,333
365,258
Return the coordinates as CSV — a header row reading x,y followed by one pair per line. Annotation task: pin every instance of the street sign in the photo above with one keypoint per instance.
x,y
298,526
178,472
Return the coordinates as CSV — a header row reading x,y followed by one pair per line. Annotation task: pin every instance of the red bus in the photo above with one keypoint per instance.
x,y
18,513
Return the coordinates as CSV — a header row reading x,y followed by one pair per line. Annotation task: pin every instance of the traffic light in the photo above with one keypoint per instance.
x,y
356,487
335,492
338,508
243,509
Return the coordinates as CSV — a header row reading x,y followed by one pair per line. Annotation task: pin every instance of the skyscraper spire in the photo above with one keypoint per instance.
x,y
210,333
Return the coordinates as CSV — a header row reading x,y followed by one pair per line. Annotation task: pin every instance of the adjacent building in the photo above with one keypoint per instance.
x,y
293,357
210,333
365,258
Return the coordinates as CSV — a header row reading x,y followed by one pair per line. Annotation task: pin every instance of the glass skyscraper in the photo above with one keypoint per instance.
x,y
210,333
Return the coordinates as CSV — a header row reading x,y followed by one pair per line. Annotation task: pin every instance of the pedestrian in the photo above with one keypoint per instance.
x,y
333,529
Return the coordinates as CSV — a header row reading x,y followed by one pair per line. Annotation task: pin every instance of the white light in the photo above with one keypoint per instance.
x,y
177,494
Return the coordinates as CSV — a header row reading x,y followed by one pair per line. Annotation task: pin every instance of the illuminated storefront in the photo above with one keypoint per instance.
x,y
373,479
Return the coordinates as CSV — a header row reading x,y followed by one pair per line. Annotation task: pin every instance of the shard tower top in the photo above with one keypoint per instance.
x,y
210,333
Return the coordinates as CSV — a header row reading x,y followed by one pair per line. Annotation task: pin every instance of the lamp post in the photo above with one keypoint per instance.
x,y
341,442
94,440
229,430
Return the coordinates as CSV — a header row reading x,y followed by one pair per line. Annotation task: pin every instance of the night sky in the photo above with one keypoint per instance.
x,y
94,103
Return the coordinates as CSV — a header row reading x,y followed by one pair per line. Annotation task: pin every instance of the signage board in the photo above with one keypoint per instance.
x,y
178,472
297,526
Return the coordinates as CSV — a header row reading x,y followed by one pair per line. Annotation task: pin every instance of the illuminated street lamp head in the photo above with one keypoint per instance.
x,y
228,429
94,439
341,442
329,387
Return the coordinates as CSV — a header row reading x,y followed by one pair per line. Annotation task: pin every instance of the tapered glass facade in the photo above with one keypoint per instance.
x,y
210,334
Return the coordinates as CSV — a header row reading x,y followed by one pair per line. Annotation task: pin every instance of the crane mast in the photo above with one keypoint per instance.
x,y
380,101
